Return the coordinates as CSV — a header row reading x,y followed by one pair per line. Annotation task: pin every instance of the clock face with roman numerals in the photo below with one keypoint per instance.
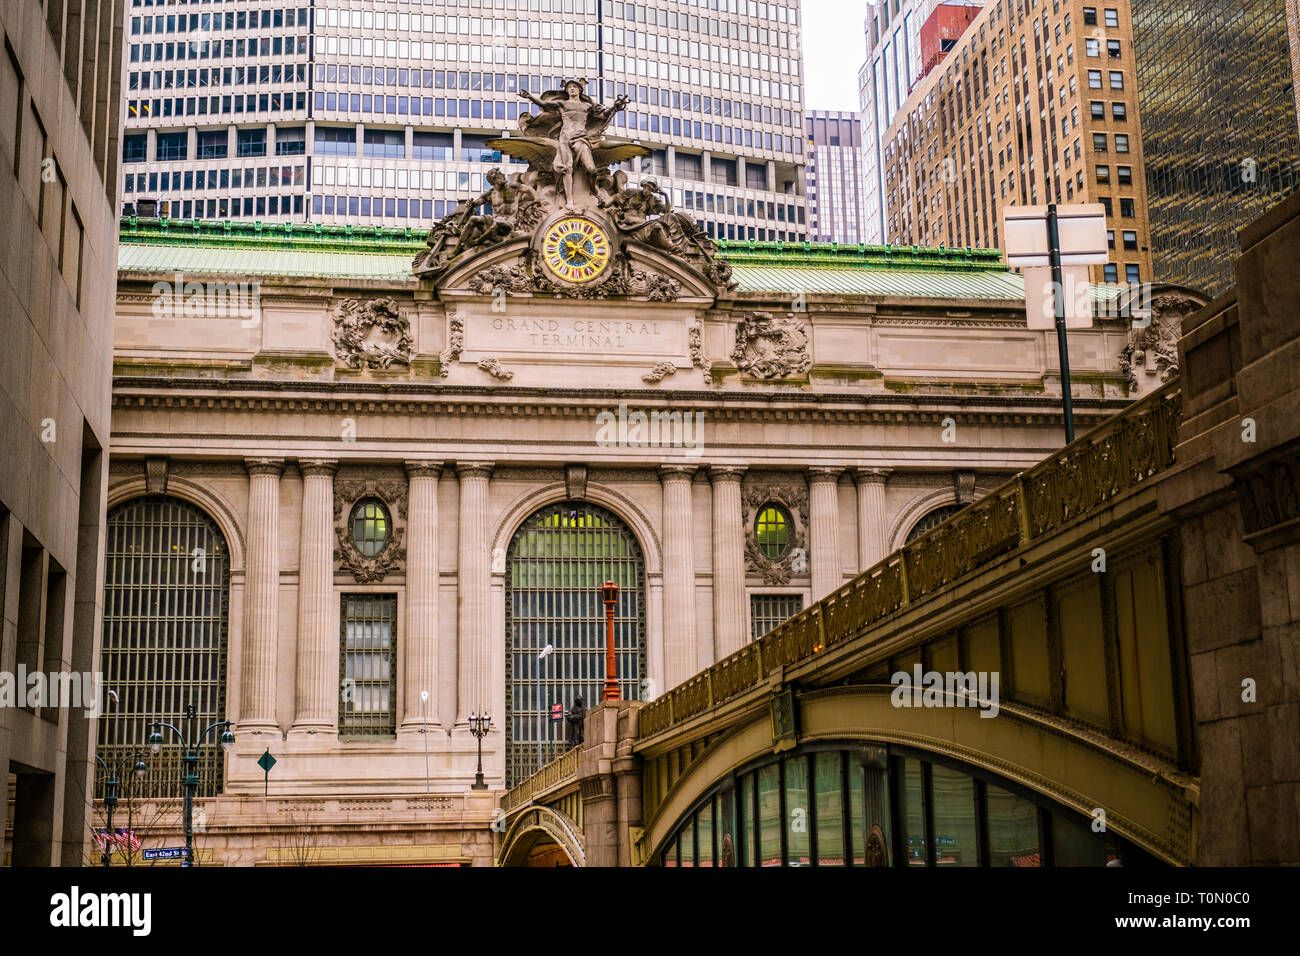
x,y
576,249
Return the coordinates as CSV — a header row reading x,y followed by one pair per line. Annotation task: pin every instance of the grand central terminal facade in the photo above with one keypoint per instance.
x,y
356,515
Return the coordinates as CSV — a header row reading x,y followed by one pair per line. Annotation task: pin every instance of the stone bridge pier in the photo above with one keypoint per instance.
x,y
609,781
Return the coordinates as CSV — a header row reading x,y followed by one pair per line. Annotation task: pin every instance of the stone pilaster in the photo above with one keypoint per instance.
x,y
261,598
872,529
679,575
824,530
730,631
473,591
317,687
420,658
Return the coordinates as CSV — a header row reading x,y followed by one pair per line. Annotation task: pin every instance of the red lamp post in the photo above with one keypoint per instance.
x,y
609,594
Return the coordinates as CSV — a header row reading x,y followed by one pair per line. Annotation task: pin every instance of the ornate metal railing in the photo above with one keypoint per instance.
x,y
549,777
1108,461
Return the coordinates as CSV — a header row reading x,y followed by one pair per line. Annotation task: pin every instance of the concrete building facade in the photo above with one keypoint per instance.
x,y
835,170
59,147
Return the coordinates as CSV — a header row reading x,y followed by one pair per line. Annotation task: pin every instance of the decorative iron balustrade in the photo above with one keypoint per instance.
x,y
1109,460
552,775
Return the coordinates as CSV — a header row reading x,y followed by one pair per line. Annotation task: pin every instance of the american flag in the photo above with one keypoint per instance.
x,y
126,839
101,839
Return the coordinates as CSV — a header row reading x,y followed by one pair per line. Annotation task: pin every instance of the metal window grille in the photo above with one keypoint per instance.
x,y
932,520
766,611
555,566
368,665
773,531
166,608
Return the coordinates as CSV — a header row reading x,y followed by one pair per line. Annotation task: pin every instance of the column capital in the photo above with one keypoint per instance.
x,y
424,469
866,475
317,466
727,472
264,466
677,472
475,469
828,474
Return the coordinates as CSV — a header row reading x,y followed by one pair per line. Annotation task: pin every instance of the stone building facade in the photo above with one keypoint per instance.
x,y
399,485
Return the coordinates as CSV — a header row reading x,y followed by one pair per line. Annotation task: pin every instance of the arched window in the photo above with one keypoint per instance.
x,y
166,606
370,526
555,566
931,520
773,528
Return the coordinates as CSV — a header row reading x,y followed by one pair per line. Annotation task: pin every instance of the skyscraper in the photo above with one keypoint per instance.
x,y
348,114
834,175
1029,106
1218,106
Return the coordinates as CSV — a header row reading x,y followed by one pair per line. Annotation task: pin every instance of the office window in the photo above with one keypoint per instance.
x,y
1116,80
1110,238
1132,273
1098,109
1112,18
1090,16
1103,174
1094,79
1113,49
134,148
252,142
290,141
213,144
1110,272
766,611
1124,174
1099,142
1105,201
1092,46
1121,142
1130,240
336,141
173,146
385,142
1119,112
1126,208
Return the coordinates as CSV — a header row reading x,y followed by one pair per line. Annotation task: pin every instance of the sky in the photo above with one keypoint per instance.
x,y
833,50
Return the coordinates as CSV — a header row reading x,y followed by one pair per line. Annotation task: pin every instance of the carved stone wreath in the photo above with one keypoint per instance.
x,y
770,347
371,334
455,345
390,491
695,336
794,499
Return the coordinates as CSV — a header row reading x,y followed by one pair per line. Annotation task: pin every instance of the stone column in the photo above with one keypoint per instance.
x,y
420,657
872,530
824,530
261,598
317,688
730,633
473,591
679,575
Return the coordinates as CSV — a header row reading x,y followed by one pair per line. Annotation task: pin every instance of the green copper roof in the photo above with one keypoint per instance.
x,y
208,247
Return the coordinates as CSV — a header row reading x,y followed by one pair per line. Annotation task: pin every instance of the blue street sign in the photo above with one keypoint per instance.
x,y
167,853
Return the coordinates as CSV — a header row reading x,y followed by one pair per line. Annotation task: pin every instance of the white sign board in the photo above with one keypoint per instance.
x,y
1040,305
1081,229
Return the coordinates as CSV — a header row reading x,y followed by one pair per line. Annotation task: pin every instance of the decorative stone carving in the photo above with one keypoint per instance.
x,y
455,345
1156,345
659,373
695,337
155,476
1269,494
371,334
964,486
794,498
494,368
769,347
392,491
575,482
569,175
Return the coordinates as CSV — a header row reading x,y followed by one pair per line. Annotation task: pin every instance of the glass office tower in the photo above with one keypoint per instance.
x,y
1219,119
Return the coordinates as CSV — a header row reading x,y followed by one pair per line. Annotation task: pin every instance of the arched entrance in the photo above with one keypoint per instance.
x,y
166,610
556,562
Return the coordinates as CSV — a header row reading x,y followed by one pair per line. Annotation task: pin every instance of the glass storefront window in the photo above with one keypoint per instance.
x,y
746,849
857,814
797,822
1013,829
726,827
954,818
830,809
704,835
686,846
769,815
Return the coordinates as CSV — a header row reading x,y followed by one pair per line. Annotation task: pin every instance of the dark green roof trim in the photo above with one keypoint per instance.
x,y
224,233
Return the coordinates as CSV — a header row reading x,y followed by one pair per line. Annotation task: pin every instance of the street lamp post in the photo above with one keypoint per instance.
x,y
609,594
478,726
110,793
190,756
542,701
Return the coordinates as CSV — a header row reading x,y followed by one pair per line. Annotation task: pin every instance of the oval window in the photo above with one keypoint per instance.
x,y
773,530
370,527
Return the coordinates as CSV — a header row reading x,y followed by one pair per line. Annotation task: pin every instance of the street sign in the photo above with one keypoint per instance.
x,y
557,712
166,853
1082,229
266,762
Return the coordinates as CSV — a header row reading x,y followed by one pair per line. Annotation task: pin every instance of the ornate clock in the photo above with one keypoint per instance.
x,y
576,249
